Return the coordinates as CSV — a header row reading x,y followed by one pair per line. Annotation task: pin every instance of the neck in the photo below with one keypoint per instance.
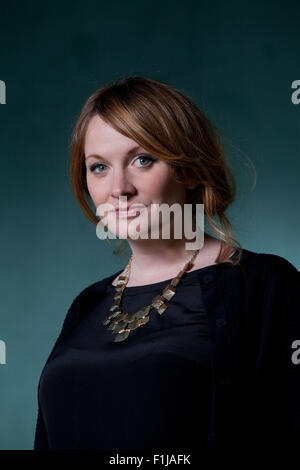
x,y
153,259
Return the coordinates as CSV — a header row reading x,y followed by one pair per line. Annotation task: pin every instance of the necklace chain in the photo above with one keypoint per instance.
x,y
123,323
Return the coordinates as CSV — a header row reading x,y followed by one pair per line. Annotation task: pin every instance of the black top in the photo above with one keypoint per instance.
x,y
150,391
253,327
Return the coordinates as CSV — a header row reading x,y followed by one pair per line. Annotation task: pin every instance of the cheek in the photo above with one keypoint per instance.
x,y
165,187
96,190
160,184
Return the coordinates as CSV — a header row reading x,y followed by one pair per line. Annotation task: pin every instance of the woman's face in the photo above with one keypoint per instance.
x,y
116,166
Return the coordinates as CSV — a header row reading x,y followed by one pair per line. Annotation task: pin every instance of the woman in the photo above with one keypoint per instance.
x,y
183,349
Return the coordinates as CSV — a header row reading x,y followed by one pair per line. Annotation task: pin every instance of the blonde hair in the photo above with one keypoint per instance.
x,y
167,124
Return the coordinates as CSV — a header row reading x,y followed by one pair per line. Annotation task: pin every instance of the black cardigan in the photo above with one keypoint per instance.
x,y
253,313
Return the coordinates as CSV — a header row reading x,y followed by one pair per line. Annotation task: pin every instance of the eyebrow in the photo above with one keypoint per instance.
x,y
130,152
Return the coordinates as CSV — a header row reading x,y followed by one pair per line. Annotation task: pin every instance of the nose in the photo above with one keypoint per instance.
x,y
121,186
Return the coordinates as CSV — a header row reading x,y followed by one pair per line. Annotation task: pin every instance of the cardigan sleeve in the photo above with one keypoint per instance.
x,y
41,437
288,381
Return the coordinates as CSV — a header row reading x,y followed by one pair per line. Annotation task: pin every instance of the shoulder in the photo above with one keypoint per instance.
x,y
272,264
267,287
96,287
261,271
86,295
279,269
79,304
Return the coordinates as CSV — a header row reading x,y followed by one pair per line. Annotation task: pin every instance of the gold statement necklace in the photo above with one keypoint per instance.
x,y
123,323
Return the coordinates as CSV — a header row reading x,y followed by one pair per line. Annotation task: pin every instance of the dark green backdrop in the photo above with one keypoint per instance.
x,y
236,59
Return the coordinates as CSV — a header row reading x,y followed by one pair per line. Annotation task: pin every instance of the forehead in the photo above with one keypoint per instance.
x,y
102,138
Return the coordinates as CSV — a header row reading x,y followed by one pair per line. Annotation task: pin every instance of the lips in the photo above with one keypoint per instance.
x,y
129,208
130,211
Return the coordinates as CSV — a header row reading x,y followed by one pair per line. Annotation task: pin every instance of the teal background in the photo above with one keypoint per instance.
x,y
235,59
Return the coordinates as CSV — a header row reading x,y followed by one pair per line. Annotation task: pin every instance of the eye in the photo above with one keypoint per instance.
x,y
146,158
96,165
